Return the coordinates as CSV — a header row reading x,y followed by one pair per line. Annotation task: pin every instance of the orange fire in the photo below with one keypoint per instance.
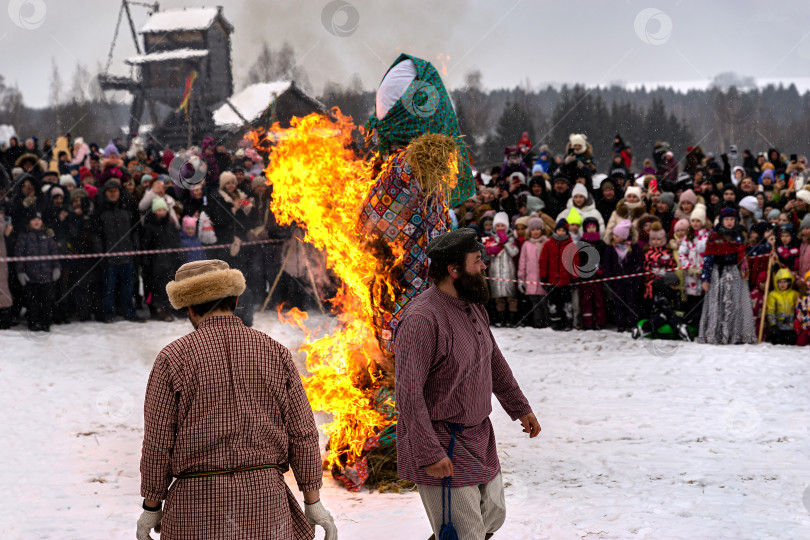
x,y
320,183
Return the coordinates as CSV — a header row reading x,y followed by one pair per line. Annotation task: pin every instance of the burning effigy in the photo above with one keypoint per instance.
x,y
373,220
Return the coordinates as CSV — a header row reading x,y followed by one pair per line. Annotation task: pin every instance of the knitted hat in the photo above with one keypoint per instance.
x,y
728,212
522,221
774,214
761,227
84,172
500,217
258,182
78,194
667,198
574,217
578,139
93,190
54,191
767,173
688,196
146,178
750,203
190,221
535,223
699,213
561,224
682,225
622,230
805,223
762,277
199,282
580,189
633,190
67,180
110,149
159,204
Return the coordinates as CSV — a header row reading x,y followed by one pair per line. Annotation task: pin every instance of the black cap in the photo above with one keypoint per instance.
x,y
453,244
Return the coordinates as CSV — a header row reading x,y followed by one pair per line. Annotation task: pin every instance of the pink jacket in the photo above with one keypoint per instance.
x,y
529,265
804,259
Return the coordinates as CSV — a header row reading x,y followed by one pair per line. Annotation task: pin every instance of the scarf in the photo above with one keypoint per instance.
x,y
425,107
622,249
560,238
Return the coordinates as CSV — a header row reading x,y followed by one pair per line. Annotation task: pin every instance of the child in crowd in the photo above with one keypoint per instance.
x,y
666,302
189,239
529,270
591,298
558,267
758,298
782,309
574,220
804,247
658,260
679,232
802,322
722,322
623,257
501,250
788,247
37,277
690,255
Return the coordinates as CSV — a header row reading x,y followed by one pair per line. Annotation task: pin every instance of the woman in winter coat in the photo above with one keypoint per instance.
x,y
622,257
160,233
5,292
630,207
501,249
583,202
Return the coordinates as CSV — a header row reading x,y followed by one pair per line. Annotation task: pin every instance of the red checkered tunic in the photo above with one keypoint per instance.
x,y
224,397
447,368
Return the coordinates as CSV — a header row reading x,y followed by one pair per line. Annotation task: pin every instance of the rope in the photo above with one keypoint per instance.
x,y
115,38
131,253
214,473
454,429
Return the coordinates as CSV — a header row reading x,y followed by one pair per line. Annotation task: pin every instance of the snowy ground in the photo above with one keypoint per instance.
x,y
639,440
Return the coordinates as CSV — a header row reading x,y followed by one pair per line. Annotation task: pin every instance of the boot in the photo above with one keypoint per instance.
x,y
514,318
500,318
683,333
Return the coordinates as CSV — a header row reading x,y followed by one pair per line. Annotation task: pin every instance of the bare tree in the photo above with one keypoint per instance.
x,y
56,94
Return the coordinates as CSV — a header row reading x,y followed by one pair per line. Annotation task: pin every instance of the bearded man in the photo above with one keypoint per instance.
x,y
448,366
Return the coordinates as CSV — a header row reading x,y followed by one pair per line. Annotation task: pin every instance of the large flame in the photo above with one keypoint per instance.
x,y
320,183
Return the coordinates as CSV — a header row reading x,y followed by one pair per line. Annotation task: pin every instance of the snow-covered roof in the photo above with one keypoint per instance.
x,y
176,54
176,20
251,103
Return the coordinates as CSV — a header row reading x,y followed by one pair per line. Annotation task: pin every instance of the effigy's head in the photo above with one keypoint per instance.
x,y
412,101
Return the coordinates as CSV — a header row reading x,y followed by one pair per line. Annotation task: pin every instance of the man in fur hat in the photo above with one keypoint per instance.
x,y
225,415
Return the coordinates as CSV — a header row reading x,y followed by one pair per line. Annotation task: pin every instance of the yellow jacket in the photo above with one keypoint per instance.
x,y
782,304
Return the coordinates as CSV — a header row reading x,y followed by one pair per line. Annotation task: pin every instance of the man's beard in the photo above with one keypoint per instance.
x,y
472,287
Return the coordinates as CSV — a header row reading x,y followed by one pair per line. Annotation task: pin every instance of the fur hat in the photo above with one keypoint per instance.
x,y
199,282
159,204
667,198
258,182
750,203
500,217
581,140
622,230
226,177
519,175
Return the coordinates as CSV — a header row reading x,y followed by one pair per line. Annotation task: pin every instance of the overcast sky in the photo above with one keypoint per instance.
x,y
510,42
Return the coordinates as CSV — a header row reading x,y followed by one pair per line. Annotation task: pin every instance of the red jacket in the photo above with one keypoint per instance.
x,y
558,266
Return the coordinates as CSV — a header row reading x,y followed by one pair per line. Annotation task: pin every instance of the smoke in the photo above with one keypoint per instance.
x,y
334,40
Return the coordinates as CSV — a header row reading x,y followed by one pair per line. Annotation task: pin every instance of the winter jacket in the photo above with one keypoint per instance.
x,y
782,304
187,241
804,258
690,254
161,234
115,229
5,291
657,262
556,265
529,265
501,249
789,254
35,244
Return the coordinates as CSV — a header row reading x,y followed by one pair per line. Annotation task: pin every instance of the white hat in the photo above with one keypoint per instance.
x,y
579,189
634,190
578,139
699,212
750,203
803,195
519,175
500,217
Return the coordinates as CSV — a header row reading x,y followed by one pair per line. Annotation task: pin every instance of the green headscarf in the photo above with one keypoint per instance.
x,y
425,107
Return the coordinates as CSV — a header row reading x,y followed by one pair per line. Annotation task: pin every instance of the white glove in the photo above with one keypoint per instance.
x,y
23,278
56,274
522,288
149,520
318,515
